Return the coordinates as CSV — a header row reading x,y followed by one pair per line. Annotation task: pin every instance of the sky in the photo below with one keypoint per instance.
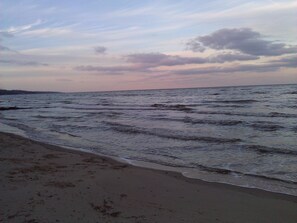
x,y
100,45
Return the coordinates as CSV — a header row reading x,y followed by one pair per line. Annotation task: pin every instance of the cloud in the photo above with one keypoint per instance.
x,y
111,70
4,48
146,62
287,61
273,65
17,29
233,69
160,59
47,32
195,46
244,40
5,34
22,63
100,49
139,63
228,57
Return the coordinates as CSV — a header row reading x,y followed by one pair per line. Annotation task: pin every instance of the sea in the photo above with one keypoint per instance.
x,y
244,136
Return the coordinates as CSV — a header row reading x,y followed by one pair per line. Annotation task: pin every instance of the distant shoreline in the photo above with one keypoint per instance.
x,y
16,92
154,89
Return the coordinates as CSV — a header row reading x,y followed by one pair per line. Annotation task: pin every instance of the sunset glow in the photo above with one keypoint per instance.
x,y
123,45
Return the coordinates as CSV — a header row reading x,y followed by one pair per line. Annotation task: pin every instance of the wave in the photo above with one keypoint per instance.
x,y
227,106
59,118
12,108
260,92
161,133
270,178
260,115
66,133
161,152
266,127
229,172
63,128
291,92
18,125
160,162
294,129
102,114
106,104
109,108
247,101
262,126
178,107
67,102
269,150
282,115
212,122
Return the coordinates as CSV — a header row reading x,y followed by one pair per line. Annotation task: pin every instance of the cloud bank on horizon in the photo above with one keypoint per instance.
x,y
113,45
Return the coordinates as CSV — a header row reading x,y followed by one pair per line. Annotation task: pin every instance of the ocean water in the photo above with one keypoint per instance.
x,y
246,136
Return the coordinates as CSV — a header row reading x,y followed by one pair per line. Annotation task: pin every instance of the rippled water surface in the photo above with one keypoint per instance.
x,y
239,135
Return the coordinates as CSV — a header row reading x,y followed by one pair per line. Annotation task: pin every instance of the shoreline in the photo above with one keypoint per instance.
x,y
38,178
142,164
149,166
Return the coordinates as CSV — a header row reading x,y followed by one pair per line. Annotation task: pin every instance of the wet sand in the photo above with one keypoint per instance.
x,y
44,183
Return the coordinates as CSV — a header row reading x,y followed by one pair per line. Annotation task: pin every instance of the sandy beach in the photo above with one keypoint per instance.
x,y
44,183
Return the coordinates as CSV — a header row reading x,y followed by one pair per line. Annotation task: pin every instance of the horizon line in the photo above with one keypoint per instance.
x,y
152,89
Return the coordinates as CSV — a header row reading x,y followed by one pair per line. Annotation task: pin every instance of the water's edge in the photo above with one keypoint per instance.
x,y
146,165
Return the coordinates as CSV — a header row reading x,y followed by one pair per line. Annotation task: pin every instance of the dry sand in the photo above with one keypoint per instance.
x,y
44,183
